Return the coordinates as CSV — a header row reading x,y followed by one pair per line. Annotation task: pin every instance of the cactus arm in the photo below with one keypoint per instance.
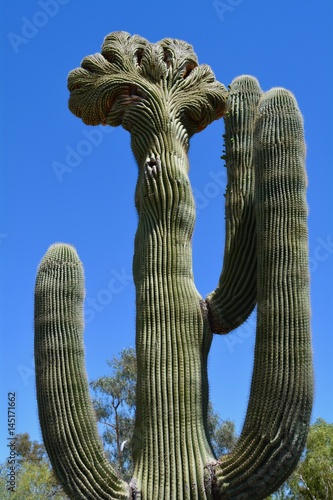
x,y
234,298
66,414
277,419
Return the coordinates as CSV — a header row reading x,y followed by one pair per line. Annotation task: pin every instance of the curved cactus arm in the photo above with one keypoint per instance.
x,y
235,296
277,419
66,414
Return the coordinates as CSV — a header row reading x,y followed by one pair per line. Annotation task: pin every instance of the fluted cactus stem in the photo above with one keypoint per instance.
x,y
277,420
235,296
171,447
66,414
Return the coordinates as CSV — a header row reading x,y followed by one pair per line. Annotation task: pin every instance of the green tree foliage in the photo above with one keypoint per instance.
x,y
29,451
35,481
221,432
114,403
34,478
313,477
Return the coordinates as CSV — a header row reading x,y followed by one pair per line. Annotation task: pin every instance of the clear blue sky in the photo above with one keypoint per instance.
x,y
282,43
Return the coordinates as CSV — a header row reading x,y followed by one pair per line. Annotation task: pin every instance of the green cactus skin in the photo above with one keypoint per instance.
x,y
160,94
66,414
279,409
235,296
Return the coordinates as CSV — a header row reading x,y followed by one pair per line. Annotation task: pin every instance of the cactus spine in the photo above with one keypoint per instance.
x,y
160,94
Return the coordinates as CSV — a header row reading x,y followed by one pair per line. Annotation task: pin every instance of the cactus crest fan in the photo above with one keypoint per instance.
x,y
141,86
162,96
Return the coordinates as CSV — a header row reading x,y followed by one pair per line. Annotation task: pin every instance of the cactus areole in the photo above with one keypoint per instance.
x,y
162,96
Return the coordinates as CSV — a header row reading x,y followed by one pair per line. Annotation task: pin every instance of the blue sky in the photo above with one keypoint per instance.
x,y
91,205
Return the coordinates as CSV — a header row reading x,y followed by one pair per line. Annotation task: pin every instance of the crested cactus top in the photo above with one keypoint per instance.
x,y
136,83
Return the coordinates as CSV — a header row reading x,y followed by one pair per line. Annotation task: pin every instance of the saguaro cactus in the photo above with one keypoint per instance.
x,y
160,94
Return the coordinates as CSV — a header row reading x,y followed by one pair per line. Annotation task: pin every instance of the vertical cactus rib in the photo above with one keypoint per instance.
x,y
235,296
277,419
65,411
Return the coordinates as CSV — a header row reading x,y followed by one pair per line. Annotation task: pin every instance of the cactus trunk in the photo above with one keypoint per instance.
x,y
173,334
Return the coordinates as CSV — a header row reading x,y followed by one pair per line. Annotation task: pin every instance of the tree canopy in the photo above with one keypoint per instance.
x,y
34,478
